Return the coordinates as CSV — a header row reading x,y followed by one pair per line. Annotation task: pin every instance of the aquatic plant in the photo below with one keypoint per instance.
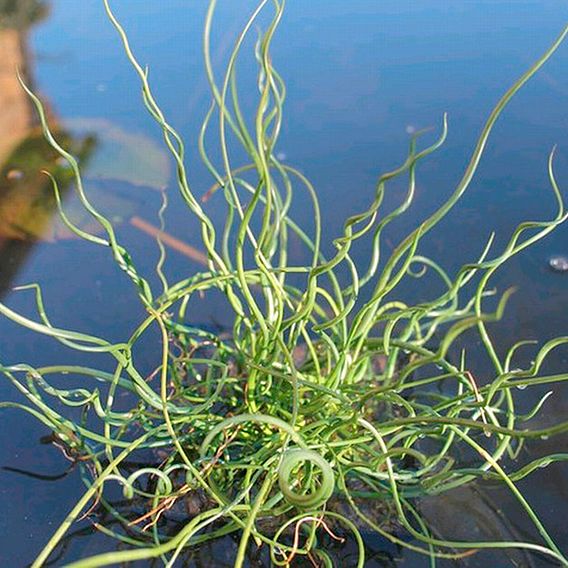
x,y
333,406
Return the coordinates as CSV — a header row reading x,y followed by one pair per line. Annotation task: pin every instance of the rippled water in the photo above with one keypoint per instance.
x,y
361,76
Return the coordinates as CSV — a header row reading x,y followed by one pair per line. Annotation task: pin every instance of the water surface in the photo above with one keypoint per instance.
x,y
361,75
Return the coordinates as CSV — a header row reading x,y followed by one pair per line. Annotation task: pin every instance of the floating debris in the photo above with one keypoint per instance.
x,y
558,263
122,155
170,241
62,162
14,175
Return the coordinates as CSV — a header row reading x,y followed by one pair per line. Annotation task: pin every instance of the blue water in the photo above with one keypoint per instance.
x,y
360,76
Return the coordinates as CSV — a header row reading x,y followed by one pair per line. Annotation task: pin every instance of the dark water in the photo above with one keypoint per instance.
x,y
361,75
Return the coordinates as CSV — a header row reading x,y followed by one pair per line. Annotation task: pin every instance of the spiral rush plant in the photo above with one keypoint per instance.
x,y
323,393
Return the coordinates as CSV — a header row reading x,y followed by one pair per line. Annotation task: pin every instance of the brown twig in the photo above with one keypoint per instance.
x,y
169,240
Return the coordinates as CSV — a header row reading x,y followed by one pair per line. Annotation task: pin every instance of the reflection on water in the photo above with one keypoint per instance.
x,y
27,201
123,156
21,14
352,94
17,116
117,160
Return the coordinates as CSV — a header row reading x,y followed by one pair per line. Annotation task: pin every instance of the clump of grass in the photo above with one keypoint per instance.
x,y
317,397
